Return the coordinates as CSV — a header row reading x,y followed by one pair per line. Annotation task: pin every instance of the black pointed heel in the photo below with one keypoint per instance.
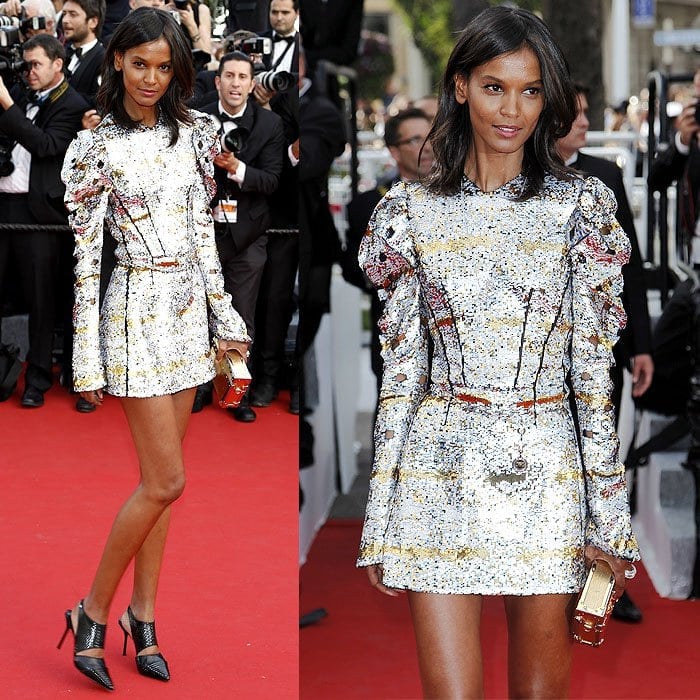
x,y
144,635
90,635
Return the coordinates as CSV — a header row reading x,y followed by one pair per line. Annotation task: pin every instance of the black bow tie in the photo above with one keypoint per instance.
x,y
286,39
77,51
223,117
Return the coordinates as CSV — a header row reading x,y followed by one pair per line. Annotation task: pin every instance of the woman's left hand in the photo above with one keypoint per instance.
x,y
619,566
224,345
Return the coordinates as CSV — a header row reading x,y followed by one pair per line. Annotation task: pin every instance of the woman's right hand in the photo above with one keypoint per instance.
x,y
93,397
375,572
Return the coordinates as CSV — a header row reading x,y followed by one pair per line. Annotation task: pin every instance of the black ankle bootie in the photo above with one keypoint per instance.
x,y
89,635
144,635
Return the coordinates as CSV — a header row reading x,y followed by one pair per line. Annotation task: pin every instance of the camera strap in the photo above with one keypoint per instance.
x,y
283,54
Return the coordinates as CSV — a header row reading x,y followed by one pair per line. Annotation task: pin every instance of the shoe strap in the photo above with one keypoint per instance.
x,y
90,634
143,633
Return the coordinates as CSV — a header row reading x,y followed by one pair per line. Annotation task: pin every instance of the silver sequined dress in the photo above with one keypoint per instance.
x,y
478,484
150,337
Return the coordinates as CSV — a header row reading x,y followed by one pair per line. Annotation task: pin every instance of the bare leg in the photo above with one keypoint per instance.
x,y
539,645
156,426
449,645
148,560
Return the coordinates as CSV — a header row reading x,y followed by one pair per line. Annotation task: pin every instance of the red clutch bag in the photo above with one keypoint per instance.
x,y
594,605
232,379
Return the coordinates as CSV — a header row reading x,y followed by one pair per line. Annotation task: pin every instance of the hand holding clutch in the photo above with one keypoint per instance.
x,y
232,378
594,604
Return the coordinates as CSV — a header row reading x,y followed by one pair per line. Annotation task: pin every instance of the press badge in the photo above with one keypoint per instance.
x,y
226,211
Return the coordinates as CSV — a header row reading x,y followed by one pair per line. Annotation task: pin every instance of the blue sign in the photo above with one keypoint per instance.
x,y
644,13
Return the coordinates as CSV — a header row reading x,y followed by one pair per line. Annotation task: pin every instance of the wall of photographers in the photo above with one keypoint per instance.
x,y
246,58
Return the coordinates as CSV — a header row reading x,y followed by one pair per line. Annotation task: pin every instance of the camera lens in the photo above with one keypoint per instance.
x,y
7,167
234,140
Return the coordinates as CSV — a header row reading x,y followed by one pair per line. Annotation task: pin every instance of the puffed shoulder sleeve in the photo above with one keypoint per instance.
x,y
599,248
388,257
86,175
224,320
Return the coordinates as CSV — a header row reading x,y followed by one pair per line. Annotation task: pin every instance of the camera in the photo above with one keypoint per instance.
x,y
32,23
7,167
181,4
235,139
276,80
11,61
257,45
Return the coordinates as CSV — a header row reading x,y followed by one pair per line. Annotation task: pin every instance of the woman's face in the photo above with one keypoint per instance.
x,y
147,71
505,98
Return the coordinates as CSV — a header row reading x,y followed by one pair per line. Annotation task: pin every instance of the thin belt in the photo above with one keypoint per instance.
x,y
158,264
506,398
526,403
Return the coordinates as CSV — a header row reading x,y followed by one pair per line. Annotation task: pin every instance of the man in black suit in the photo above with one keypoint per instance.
x,y
330,30
82,24
37,128
285,42
246,176
276,298
681,162
404,135
634,347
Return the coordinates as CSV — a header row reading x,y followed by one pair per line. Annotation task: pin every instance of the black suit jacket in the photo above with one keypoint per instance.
x,y
636,338
330,30
262,154
85,79
47,139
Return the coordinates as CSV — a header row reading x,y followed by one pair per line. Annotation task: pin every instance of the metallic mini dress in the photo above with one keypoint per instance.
x,y
150,336
482,482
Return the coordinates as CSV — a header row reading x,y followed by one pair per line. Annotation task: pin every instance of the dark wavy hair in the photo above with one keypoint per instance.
x,y
142,26
493,32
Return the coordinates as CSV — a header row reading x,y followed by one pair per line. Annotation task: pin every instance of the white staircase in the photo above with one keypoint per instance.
x,y
665,519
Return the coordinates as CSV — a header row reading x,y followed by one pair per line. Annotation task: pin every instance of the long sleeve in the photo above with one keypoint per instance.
x,y
389,261
88,187
598,252
224,321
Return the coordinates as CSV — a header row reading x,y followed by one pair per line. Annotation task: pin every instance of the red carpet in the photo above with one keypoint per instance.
x,y
365,647
228,603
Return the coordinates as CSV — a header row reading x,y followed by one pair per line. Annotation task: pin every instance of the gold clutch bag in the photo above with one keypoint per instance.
x,y
594,605
232,379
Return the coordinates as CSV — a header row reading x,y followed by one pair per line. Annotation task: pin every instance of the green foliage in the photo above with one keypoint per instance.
x,y
430,25
431,21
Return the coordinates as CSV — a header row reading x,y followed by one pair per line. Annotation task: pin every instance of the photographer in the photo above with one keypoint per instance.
x,y
275,306
36,127
195,20
682,162
247,173
42,10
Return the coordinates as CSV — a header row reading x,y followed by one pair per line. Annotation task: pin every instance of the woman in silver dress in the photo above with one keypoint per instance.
x,y
146,175
501,277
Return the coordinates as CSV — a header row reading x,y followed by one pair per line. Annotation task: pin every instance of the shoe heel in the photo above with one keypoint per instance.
x,y
69,628
126,636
